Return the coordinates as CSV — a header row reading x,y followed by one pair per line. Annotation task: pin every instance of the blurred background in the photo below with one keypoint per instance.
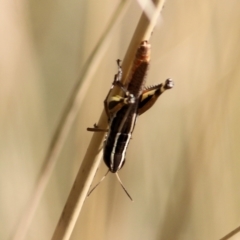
x,y
183,163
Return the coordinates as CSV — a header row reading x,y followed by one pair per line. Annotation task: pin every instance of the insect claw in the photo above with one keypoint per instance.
x,y
168,83
118,63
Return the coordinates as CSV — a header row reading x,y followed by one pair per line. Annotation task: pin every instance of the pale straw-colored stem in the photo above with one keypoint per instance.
x,y
65,124
231,234
93,155
143,31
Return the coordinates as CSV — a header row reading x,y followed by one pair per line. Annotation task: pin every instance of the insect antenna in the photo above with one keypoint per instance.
x,y
97,184
125,190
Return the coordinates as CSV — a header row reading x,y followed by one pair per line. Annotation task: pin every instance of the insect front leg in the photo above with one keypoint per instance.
x,y
116,102
116,81
151,94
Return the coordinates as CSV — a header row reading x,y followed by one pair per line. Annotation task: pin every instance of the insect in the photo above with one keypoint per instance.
x,y
122,111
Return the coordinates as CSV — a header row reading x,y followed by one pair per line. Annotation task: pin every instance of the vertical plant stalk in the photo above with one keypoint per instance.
x,y
93,155
143,31
65,124
231,234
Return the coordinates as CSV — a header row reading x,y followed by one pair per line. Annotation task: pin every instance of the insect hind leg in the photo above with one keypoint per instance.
x,y
151,94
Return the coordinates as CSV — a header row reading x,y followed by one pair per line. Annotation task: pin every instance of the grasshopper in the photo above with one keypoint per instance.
x,y
122,111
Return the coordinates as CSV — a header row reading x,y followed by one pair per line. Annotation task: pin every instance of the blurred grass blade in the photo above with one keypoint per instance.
x,y
148,7
93,155
231,234
66,122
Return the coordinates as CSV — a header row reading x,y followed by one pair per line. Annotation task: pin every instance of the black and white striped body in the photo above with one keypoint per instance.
x,y
123,122
122,111
117,141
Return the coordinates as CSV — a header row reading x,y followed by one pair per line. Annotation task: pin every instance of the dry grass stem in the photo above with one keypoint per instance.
x,y
143,31
93,155
65,124
148,7
231,234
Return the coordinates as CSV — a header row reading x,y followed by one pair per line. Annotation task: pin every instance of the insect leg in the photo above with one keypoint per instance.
x,y
96,129
151,94
116,81
116,102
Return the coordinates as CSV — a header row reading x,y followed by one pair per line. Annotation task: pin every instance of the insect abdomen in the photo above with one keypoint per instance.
x,y
115,151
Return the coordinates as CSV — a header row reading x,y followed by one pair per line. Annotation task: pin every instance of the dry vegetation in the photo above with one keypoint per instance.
x,y
182,165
